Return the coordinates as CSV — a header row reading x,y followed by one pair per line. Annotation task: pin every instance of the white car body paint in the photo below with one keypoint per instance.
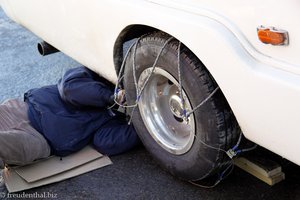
x,y
261,82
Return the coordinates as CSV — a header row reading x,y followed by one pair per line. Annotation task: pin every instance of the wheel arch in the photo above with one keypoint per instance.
x,y
206,41
202,41
131,32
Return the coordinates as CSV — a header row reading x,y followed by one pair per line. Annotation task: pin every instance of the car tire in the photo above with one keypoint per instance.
x,y
191,149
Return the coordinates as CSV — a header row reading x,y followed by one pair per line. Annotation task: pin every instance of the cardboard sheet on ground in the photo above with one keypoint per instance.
x,y
16,183
55,165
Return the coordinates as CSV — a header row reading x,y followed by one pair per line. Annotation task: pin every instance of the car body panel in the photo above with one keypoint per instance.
x,y
261,82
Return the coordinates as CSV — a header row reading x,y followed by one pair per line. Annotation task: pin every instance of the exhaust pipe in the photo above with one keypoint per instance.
x,y
45,49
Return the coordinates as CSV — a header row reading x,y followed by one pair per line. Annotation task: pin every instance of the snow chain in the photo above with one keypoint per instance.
x,y
231,153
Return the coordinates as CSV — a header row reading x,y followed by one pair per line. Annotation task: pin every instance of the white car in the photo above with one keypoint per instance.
x,y
199,73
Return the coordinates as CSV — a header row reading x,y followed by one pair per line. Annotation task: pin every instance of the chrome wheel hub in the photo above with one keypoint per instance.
x,y
176,106
162,111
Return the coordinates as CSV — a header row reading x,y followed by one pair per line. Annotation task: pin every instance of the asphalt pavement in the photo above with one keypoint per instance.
x,y
133,175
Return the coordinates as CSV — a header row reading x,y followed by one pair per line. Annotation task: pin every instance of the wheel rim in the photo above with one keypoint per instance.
x,y
161,110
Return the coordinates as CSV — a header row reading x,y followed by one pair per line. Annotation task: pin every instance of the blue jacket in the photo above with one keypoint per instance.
x,y
73,113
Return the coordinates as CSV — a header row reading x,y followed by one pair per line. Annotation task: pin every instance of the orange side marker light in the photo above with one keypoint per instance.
x,y
272,35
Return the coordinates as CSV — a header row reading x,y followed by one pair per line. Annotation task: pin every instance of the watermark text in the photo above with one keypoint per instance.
x,y
24,195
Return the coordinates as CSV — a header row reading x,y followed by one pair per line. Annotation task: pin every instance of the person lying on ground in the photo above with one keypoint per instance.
x,y
62,119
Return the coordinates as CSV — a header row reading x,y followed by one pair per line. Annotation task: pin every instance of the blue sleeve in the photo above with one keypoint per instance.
x,y
82,87
115,137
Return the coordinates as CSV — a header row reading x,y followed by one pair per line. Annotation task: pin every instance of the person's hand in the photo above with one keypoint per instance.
x,y
121,97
